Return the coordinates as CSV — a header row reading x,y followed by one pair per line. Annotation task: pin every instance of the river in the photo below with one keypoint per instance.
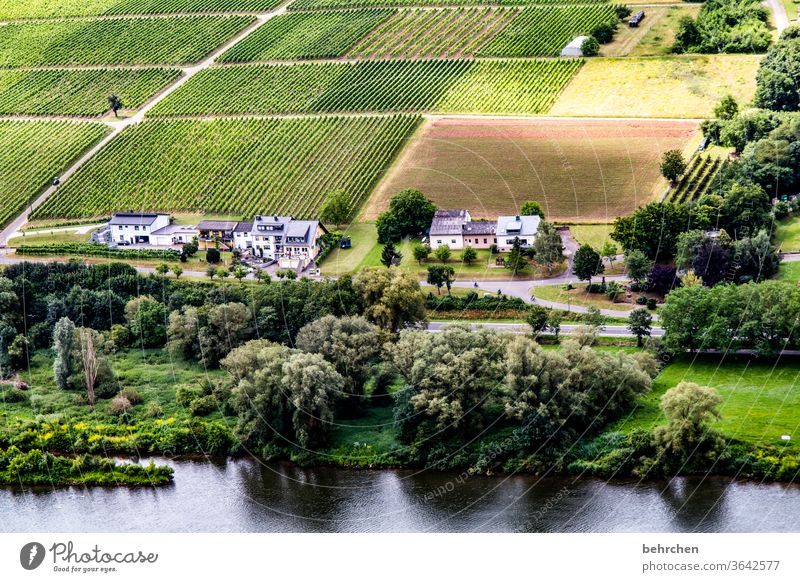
x,y
244,495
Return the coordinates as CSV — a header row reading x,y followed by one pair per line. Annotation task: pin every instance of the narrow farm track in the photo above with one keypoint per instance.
x,y
119,126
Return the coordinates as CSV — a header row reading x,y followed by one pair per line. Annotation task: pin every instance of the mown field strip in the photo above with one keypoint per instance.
x,y
127,41
435,86
32,153
234,165
31,9
78,92
304,35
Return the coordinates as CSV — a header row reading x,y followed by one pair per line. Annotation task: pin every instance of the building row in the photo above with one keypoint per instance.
x,y
293,243
456,229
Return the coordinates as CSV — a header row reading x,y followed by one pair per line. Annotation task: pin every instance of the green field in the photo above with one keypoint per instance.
x,y
374,86
759,398
787,234
285,166
126,41
545,30
78,92
305,35
18,9
326,4
789,271
33,153
444,33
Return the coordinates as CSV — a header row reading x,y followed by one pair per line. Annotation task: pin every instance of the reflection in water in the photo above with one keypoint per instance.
x,y
248,496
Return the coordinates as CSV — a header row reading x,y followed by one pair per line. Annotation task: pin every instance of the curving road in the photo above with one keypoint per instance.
x,y
781,19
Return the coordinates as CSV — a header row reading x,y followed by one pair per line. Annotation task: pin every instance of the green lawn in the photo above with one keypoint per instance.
x,y
789,271
579,296
341,261
787,235
45,238
760,399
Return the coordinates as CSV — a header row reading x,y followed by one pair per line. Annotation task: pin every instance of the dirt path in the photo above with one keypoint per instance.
x,y
779,13
119,126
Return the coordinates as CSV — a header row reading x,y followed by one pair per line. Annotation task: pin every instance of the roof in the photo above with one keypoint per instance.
x,y
243,227
448,222
216,225
174,229
518,225
480,227
301,229
135,218
577,42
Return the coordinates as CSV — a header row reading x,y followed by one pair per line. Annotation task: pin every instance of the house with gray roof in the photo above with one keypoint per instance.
x,y
211,232
136,227
523,228
293,243
456,229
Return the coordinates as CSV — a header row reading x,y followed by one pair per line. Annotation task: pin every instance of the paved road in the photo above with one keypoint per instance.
x,y
119,126
780,17
520,328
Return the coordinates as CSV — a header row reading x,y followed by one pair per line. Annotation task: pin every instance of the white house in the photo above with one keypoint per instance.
x,y
293,243
447,228
573,49
173,234
523,228
136,227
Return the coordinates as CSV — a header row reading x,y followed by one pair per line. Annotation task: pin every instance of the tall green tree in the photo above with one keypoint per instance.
x,y
440,275
392,298
390,256
63,337
532,208
587,263
443,253
547,246
637,265
516,261
640,323
421,252
336,209
469,255
672,165
655,227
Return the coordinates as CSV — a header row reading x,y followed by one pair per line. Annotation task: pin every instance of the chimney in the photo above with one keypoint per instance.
x,y
516,218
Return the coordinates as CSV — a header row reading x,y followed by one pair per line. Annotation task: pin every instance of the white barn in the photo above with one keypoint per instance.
x,y
573,49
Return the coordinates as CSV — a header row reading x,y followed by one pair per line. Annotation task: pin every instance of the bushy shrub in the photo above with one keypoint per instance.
x,y
641,300
213,256
131,394
203,406
9,394
596,288
651,303
120,406
184,395
153,409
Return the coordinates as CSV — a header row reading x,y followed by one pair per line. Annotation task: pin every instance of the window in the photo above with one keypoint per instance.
x,y
135,228
453,241
438,242
495,241
120,227
484,241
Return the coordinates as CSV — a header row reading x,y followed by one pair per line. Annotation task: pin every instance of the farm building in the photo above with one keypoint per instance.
x,y
573,49
136,227
293,243
456,229
510,228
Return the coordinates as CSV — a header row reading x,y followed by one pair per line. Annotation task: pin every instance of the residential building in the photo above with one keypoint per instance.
x,y
456,229
293,243
509,228
212,232
136,227
173,234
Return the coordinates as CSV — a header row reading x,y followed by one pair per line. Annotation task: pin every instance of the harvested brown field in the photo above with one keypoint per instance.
x,y
580,170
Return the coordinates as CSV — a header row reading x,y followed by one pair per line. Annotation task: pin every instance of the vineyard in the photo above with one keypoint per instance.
x,y
331,4
77,92
429,34
545,30
19,9
50,144
285,166
127,41
697,178
503,87
305,35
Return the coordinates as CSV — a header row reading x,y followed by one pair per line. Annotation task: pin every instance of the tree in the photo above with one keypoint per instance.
x,y
223,273
655,227
590,47
609,252
778,74
213,256
421,252
312,385
178,271
532,208
115,103
687,441
388,227
349,343
603,32
183,334
147,319
587,263
672,165
662,278
727,108
547,246
468,255
336,209
637,265
227,327
89,360
392,298
442,253
440,275
162,269
538,318
687,35
594,318
239,273
640,323
516,261
63,335
409,213
211,272
390,256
